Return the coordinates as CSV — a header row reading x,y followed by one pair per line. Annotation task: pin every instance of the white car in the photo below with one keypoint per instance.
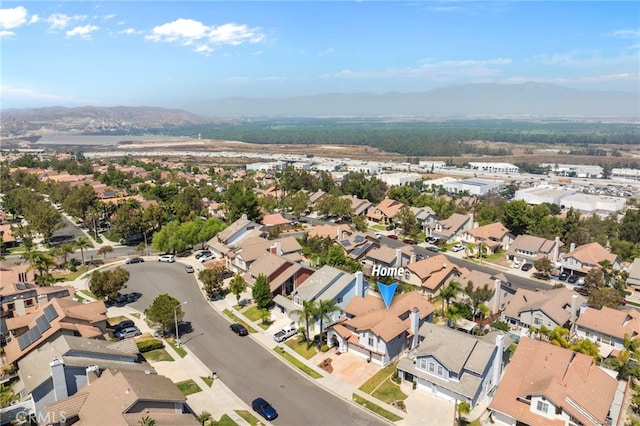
x,y
458,247
167,258
207,258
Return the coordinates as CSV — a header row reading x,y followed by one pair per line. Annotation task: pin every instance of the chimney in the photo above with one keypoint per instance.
x,y
398,258
42,300
19,307
244,216
412,259
572,247
497,361
414,316
471,223
555,253
360,290
497,297
574,309
59,381
93,373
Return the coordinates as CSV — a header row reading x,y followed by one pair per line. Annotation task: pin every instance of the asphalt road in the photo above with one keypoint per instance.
x,y
245,366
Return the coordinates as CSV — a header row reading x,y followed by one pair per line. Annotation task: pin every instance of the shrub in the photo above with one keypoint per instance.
x,y
415,384
501,325
324,348
150,345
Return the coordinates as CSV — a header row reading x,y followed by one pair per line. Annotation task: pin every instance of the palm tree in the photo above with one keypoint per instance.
x,y
41,262
204,417
146,421
324,310
447,293
66,250
462,407
104,250
306,315
83,243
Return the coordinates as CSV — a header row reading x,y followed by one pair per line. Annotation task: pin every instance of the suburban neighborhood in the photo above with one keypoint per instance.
x,y
132,287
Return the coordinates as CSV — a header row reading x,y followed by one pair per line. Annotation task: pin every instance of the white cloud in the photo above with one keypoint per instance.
x,y
635,33
34,19
108,17
5,33
82,32
12,18
203,49
435,70
188,32
60,21
130,31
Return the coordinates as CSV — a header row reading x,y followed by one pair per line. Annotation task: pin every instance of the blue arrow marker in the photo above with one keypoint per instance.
x,y
387,291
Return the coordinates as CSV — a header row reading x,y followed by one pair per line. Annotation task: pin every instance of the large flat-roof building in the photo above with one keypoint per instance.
x,y
474,186
591,203
400,179
494,167
543,194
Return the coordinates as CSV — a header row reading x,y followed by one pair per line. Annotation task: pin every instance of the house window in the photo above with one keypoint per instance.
x,y
407,275
339,300
542,406
370,341
440,370
11,306
423,364
432,367
537,321
28,302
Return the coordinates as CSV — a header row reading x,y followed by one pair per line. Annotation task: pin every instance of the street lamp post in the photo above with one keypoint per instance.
x,y
175,317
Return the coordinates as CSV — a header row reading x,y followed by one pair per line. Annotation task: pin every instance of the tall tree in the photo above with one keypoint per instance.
x,y
212,281
237,286
109,282
241,200
448,292
80,200
477,296
325,309
83,243
261,292
164,310
405,219
306,316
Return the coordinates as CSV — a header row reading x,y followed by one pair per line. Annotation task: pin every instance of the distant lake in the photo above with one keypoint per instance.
x,y
71,139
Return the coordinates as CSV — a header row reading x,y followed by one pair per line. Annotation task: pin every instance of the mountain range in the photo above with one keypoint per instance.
x,y
507,100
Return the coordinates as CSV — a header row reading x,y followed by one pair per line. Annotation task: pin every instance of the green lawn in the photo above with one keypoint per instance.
x,y
68,275
207,380
389,392
375,380
181,351
378,227
158,355
225,420
111,237
235,318
253,313
376,408
88,293
300,346
300,365
188,387
247,417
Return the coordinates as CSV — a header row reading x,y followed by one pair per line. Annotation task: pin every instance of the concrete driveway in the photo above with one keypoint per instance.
x,y
347,367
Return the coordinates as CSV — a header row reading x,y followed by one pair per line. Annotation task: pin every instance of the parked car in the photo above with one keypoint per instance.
x,y
201,253
123,324
167,258
390,227
431,240
457,247
189,269
239,329
207,257
263,408
132,260
408,241
516,265
118,300
433,249
285,333
563,276
572,279
127,332
527,266
132,297
393,237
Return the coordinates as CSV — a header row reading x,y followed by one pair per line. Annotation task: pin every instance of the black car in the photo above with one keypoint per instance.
x,y
132,297
134,260
563,276
122,325
239,329
119,300
572,279
263,408
526,266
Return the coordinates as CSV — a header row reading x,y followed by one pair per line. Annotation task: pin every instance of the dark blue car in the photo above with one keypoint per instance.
x,y
263,408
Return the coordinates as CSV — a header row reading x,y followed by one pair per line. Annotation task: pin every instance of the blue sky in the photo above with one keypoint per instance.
x,y
170,53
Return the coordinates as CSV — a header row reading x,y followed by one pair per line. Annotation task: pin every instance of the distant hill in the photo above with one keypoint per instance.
x,y
91,119
472,100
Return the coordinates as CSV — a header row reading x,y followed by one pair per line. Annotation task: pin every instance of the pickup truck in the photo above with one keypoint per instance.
x,y
285,333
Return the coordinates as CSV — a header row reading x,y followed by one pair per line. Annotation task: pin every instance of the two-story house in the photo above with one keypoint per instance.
x,y
283,275
425,216
493,237
358,244
385,211
240,258
327,283
581,259
456,366
378,334
502,291
546,384
528,249
608,327
453,228
430,274
130,396
633,280
551,308
359,207
232,235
